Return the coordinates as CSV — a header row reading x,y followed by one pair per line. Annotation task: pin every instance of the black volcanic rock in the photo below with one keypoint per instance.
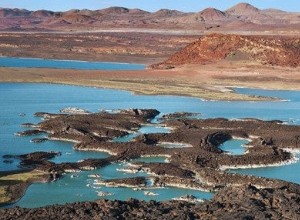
x,y
244,202
128,182
39,155
38,140
28,125
29,132
236,203
46,115
145,113
35,159
198,164
162,169
178,115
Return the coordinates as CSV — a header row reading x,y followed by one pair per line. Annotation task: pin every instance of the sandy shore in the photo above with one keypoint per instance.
x,y
210,82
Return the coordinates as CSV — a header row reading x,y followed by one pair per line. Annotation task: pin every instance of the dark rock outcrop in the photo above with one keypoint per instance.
x,y
29,132
244,202
144,113
35,159
96,132
38,140
125,182
178,115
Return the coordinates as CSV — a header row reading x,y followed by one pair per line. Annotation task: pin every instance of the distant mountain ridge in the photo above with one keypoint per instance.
x,y
242,16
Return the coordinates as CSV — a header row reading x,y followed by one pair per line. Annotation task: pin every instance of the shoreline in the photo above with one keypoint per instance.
x,y
66,60
210,82
231,96
293,160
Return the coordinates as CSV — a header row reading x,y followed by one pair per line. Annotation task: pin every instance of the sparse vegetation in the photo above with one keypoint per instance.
x,y
13,185
24,176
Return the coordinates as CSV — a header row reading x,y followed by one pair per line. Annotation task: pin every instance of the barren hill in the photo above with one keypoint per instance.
x,y
212,14
243,9
77,18
216,47
167,13
42,13
247,12
114,10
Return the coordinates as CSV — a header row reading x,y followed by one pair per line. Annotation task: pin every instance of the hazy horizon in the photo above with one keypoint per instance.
x,y
147,5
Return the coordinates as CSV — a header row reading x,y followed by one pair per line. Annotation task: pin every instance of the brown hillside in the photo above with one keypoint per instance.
x,y
212,14
167,13
114,10
6,12
245,11
77,18
216,47
42,13
242,9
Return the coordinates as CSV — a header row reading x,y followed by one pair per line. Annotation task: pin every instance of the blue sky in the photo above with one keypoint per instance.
x,y
148,5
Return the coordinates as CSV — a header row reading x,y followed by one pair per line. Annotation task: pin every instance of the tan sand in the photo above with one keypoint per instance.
x,y
209,82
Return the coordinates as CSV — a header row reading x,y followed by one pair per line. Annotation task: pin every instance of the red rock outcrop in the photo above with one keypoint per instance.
x,y
216,47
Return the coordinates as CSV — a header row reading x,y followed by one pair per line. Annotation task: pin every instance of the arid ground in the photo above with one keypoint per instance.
x,y
208,80
266,58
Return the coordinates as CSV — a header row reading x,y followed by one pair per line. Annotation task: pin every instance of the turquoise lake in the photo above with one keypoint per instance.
x,y
26,99
234,146
66,64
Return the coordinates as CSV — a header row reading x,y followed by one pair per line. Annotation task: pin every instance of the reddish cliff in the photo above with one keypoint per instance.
x,y
216,47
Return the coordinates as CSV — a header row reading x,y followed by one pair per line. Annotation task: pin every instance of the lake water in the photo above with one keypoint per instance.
x,y
66,64
75,189
143,130
26,99
235,146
